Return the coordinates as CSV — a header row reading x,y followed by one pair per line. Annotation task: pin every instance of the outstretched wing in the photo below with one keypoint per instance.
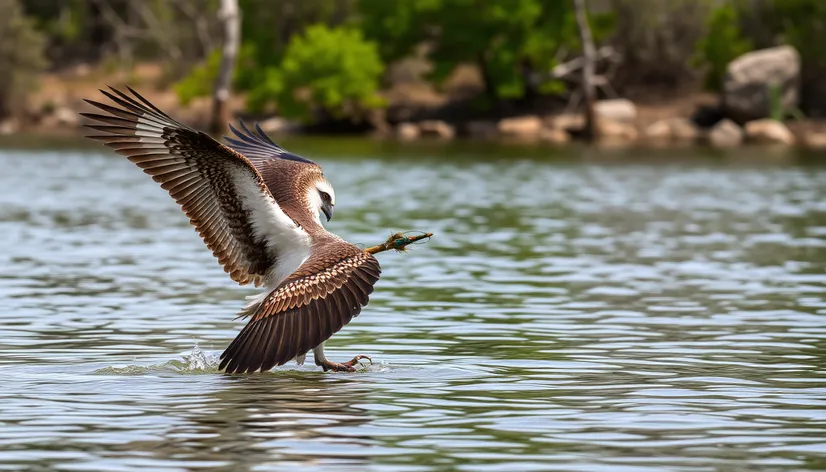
x,y
322,296
259,148
219,189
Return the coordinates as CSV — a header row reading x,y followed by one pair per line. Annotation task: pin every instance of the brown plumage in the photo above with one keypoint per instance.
x,y
256,207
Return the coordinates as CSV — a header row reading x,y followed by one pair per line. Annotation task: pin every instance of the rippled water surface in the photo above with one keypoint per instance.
x,y
567,316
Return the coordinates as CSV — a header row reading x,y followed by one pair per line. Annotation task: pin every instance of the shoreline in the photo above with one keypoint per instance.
x,y
651,119
809,135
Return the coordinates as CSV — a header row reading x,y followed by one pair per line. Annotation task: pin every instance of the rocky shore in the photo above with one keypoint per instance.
x,y
757,105
760,90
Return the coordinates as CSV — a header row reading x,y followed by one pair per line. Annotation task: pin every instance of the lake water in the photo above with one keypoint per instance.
x,y
573,312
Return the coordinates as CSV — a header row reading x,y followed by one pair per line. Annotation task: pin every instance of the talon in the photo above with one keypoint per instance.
x,y
348,366
352,362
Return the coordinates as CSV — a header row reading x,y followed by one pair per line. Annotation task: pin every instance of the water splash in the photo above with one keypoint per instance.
x,y
196,362
199,361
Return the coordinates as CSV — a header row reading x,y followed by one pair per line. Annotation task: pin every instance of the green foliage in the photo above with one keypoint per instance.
x,y
500,36
200,82
331,71
801,24
21,56
323,58
777,112
723,43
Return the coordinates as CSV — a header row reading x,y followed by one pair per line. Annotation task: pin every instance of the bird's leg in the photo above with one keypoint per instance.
x,y
349,366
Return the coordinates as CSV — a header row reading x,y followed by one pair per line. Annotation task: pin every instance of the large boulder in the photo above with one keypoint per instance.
x,y
726,133
753,78
769,132
620,110
521,126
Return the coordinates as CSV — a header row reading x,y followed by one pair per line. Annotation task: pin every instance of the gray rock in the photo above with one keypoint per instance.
x,y
407,131
750,79
815,140
65,116
617,131
659,131
726,133
769,132
8,127
673,129
554,135
520,126
620,110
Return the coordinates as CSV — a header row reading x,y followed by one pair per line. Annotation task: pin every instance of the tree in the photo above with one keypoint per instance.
x,y
21,56
504,38
587,69
231,19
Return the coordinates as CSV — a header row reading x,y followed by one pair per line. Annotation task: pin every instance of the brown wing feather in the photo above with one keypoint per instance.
x,y
323,295
201,174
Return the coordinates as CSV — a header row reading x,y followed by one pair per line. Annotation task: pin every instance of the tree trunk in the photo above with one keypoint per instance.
x,y
230,17
591,129
487,79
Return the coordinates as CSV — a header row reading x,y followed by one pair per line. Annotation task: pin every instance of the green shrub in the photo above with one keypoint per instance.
x,y
332,72
201,81
723,43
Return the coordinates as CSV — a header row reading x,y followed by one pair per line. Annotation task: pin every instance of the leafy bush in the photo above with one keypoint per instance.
x,y
21,56
723,43
325,73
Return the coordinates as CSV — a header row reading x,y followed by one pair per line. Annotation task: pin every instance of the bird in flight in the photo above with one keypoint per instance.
x,y
257,208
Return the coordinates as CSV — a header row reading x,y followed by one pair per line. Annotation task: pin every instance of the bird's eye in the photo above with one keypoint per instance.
x,y
325,196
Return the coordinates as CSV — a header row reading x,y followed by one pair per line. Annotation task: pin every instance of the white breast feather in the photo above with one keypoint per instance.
x,y
268,220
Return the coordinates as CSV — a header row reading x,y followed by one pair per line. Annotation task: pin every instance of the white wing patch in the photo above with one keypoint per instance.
x,y
285,239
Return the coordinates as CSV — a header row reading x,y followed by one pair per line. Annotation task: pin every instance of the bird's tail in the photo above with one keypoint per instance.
x,y
254,302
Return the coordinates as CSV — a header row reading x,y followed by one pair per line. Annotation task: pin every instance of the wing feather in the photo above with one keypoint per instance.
x,y
323,295
258,147
219,189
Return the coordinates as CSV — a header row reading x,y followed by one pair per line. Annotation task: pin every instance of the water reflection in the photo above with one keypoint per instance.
x,y
274,418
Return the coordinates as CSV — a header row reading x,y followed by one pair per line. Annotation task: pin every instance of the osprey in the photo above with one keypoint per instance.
x,y
257,207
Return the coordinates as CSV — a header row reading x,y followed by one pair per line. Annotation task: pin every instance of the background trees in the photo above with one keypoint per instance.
x,y
21,56
326,59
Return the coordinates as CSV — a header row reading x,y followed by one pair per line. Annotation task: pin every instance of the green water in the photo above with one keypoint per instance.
x,y
582,310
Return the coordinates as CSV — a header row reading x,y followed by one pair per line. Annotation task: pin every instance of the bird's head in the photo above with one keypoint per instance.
x,y
323,198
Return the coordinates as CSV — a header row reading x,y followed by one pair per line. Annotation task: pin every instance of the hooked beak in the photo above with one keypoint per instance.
x,y
327,208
